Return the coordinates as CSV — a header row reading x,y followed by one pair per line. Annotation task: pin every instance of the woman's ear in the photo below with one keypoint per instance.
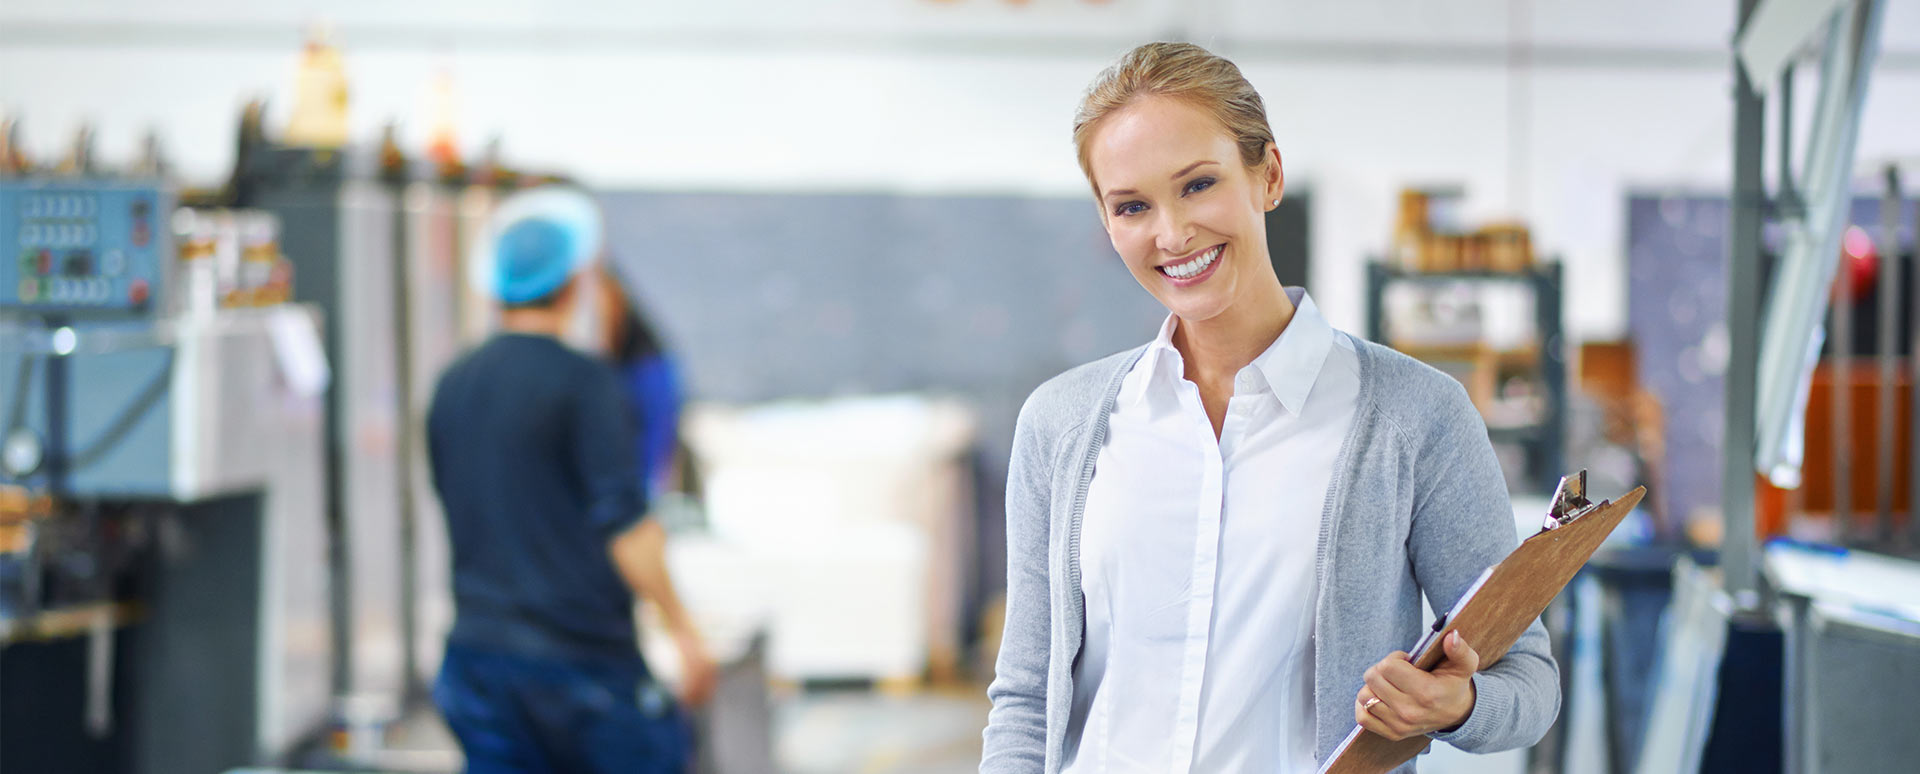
x,y
1275,175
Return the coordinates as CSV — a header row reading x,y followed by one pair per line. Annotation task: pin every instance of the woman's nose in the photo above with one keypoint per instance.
x,y
1173,232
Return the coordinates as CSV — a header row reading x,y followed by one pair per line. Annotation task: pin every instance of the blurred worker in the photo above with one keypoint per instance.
x,y
649,375
532,455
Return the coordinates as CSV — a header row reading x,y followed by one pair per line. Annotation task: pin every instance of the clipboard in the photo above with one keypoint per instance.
x,y
1497,609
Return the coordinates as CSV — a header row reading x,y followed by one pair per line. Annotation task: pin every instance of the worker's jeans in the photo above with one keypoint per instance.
x,y
524,715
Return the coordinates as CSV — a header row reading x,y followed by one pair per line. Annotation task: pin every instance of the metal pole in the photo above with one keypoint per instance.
x,y
1840,373
1377,277
1788,200
1913,403
1888,299
414,213
1739,551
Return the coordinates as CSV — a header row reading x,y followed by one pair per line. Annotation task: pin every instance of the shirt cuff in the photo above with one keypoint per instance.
x,y
1491,706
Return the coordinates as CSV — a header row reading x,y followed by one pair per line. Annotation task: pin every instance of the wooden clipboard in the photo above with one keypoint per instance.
x,y
1491,615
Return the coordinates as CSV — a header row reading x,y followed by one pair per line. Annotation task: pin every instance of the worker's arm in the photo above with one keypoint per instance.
x,y
641,555
637,545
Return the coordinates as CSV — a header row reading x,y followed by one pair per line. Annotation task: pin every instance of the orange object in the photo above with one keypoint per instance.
x,y
1863,428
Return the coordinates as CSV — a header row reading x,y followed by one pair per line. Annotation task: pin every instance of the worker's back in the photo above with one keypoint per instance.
x,y
531,451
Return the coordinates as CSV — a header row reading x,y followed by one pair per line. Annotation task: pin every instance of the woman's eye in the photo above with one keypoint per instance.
x,y
1130,208
1200,185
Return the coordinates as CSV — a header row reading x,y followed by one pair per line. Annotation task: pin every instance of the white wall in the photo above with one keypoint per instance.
x,y
972,95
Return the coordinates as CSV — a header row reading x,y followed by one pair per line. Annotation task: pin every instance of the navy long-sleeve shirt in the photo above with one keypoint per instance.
x,y
531,447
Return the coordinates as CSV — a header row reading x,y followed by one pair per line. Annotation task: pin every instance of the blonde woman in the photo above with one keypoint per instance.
x,y
1216,540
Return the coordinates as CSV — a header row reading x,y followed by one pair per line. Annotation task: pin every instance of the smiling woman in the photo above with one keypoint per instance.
x,y
1213,539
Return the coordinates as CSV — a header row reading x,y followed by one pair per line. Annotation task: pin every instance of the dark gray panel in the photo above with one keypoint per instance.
x,y
199,650
1676,295
1855,665
781,295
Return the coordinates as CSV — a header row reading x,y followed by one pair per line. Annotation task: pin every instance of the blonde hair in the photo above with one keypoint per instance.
x,y
1181,71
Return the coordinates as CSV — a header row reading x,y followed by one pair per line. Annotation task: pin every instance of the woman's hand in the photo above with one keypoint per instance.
x,y
1400,701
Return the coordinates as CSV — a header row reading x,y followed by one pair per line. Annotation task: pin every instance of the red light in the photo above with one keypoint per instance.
x,y
137,292
1856,244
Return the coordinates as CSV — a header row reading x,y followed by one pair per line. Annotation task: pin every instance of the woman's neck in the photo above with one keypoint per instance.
x,y
1217,348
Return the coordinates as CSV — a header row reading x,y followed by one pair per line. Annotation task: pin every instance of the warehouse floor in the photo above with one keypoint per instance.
x,y
863,732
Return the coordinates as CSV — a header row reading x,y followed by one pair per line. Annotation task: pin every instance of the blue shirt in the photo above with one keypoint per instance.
x,y
532,455
653,390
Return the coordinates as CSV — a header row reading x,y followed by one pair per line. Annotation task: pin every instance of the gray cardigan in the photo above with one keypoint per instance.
x,y
1417,503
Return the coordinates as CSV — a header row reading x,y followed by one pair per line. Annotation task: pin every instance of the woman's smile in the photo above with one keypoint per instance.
x,y
1192,269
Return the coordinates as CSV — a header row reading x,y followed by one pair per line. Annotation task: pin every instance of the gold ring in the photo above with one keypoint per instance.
x,y
1370,703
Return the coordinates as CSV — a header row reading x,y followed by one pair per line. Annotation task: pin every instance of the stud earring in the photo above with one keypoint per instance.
x,y
1276,202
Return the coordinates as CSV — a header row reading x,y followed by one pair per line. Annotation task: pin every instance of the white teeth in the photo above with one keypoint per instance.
x,y
1195,266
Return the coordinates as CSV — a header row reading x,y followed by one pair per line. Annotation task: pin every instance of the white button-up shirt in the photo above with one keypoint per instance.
x,y
1197,561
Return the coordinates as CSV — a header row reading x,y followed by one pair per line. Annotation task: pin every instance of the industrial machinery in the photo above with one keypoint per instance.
x,y
162,544
440,314
385,246
335,206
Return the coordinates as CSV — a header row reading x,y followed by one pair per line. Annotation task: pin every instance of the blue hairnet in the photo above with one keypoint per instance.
x,y
532,260
539,240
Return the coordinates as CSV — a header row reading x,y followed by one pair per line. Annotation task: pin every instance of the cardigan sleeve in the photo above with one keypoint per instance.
x,y
1016,732
1462,524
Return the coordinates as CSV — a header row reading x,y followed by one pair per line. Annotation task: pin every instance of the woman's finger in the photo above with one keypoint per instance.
x,y
1462,659
1374,724
1399,722
1423,689
1384,688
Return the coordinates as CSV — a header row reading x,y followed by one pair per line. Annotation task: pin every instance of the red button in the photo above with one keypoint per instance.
x,y
46,261
137,292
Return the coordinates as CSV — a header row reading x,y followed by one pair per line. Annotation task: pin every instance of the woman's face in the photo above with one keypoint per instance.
x,y
610,310
1185,214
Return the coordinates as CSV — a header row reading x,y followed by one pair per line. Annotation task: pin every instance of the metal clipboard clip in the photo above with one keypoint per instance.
x,y
1569,501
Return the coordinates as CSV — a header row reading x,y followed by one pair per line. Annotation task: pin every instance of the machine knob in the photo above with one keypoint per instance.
x,y
21,453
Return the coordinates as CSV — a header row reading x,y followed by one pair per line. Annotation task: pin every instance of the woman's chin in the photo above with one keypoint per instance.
x,y
1198,304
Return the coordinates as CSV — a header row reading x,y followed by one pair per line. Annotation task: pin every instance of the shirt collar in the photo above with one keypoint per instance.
x,y
1159,352
1292,363
1289,366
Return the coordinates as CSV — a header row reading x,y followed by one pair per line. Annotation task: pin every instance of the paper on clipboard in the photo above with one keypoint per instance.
x,y
297,349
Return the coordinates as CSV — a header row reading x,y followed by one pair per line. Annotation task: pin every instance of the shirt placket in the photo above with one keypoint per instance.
x,y
1206,555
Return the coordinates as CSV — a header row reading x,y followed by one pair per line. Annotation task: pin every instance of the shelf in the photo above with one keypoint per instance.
x,y
1481,366
1524,355
1532,273
66,622
1515,433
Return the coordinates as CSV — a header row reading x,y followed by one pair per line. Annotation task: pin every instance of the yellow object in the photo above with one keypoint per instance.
x,y
319,96
442,146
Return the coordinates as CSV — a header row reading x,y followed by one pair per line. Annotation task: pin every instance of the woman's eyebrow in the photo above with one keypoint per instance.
x,y
1175,176
1192,167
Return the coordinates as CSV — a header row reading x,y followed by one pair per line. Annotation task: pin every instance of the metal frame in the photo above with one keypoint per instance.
x,y
1798,295
1743,312
1762,402
1887,299
1544,441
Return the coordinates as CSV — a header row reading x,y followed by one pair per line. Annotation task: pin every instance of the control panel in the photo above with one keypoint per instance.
x,y
87,248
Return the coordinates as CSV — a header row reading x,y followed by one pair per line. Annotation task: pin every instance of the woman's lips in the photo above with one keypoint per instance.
x,y
1193,270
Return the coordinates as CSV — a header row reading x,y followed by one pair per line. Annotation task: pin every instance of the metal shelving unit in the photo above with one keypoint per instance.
x,y
1544,439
